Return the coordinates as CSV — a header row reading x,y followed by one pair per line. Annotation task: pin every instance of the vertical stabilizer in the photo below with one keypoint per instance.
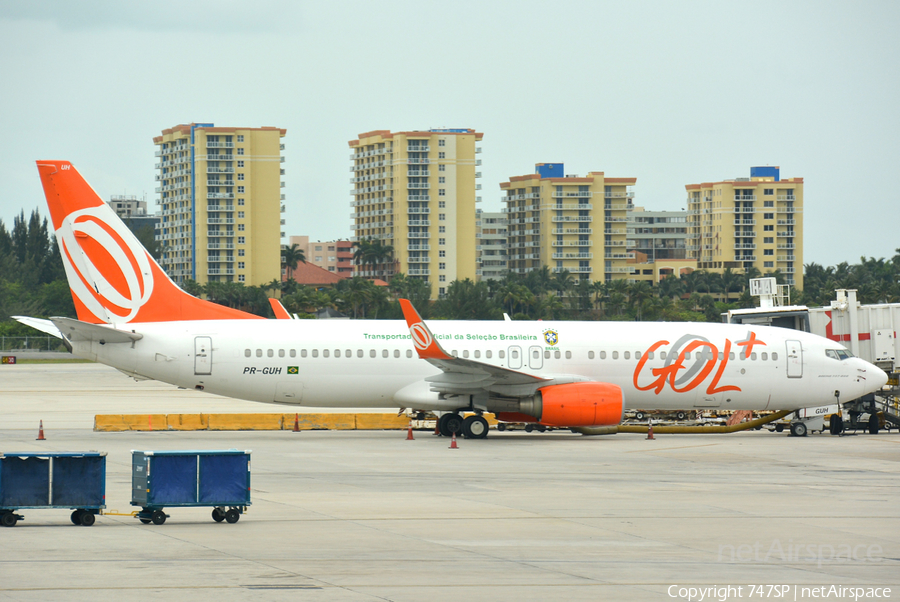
x,y
112,277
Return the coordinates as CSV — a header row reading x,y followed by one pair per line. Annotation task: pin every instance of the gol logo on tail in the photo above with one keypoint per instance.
x,y
705,360
107,269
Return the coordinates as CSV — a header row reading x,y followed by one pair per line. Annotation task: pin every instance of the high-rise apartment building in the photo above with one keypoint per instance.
x,y
657,244
221,202
416,192
568,222
491,234
754,222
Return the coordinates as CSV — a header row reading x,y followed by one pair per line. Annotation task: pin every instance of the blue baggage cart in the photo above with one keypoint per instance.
x,y
217,478
74,480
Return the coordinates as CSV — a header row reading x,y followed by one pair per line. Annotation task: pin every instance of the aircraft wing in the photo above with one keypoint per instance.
x,y
464,376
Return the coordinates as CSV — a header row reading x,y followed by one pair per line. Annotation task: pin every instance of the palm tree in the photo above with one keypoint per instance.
x,y
291,256
373,252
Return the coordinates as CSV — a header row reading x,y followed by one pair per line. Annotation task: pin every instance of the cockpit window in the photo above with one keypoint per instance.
x,y
838,354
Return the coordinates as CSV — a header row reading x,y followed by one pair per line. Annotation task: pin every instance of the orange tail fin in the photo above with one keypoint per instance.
x,y
112,277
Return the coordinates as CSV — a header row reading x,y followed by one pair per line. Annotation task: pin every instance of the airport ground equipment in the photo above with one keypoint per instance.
x,y
868,331
215,478
71,480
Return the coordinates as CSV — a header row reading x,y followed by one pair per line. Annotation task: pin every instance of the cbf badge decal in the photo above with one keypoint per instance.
x,y
551,336
293,370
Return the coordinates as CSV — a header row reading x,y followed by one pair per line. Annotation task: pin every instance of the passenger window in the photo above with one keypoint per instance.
x,y
650,355
590,355
753,356
348,353
627,355
536,354
396,353
602,355
372,353
325,353
477,354
487,354
501,354
721,356
731,355
615,355
774,356
337,353
303,353
259,353
247,353
764,356
687,355
568,355
662,355
514,354
315,353
270,352
454,353
293,353
359,353
409,353
637,355
557,354
546,355
466,353
384,353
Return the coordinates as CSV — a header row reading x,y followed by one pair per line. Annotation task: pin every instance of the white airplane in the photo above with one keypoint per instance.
x,y
131,316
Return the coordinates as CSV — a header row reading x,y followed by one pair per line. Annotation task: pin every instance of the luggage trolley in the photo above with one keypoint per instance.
x,y
217,478
75,480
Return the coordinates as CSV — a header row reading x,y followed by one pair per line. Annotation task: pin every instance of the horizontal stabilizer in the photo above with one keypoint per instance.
x,y
38,324
75,330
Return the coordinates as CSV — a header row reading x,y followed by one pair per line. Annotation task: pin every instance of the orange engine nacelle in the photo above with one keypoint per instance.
x,y
573,404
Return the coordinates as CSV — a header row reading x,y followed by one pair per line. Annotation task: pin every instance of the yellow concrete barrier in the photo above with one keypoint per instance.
x,y
380,422
130,422
188,422
246,422
309,422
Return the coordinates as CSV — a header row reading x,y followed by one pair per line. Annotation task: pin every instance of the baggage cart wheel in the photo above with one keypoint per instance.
x,y
8,519
146,521
159,517
218,515
233,516
76,517
87,518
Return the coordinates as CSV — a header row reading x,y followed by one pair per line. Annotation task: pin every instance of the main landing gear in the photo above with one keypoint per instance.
x,y
471,427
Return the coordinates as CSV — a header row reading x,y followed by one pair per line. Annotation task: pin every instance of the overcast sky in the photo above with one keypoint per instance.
x,y
671,93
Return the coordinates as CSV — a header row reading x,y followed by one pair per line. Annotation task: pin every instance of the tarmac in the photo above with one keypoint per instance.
x,y
368,515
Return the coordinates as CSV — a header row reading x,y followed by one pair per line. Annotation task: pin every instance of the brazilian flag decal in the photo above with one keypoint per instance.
x,y
293,369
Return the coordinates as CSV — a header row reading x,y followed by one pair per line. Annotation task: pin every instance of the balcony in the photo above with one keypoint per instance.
x,y
219,233
418,173
418,161
422,272
220,182
571,231
418,185
220,157
788,234
745,257
412,210
572,256
619,195
418,222
418,148
418,197
220,195
220,271
786,245
618,256
211,144
573,270
220,220
571,218
572,243
744,245
581,194
419,259
786,258
614,243
745,222
786,197
418,235
579,207
219,245
418,247
222,208
786,222
745,197
219,259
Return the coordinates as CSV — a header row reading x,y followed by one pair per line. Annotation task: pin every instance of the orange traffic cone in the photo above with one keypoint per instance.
x,y
296,423
40,436
650,430
409,435
453,442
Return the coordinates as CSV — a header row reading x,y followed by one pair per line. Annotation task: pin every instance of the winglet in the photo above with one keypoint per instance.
x,y
426,345
280,312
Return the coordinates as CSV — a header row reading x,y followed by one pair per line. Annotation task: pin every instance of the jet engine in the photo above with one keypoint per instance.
x,y
571,404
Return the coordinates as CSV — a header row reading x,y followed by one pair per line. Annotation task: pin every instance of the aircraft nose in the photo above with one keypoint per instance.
x,y
873,376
